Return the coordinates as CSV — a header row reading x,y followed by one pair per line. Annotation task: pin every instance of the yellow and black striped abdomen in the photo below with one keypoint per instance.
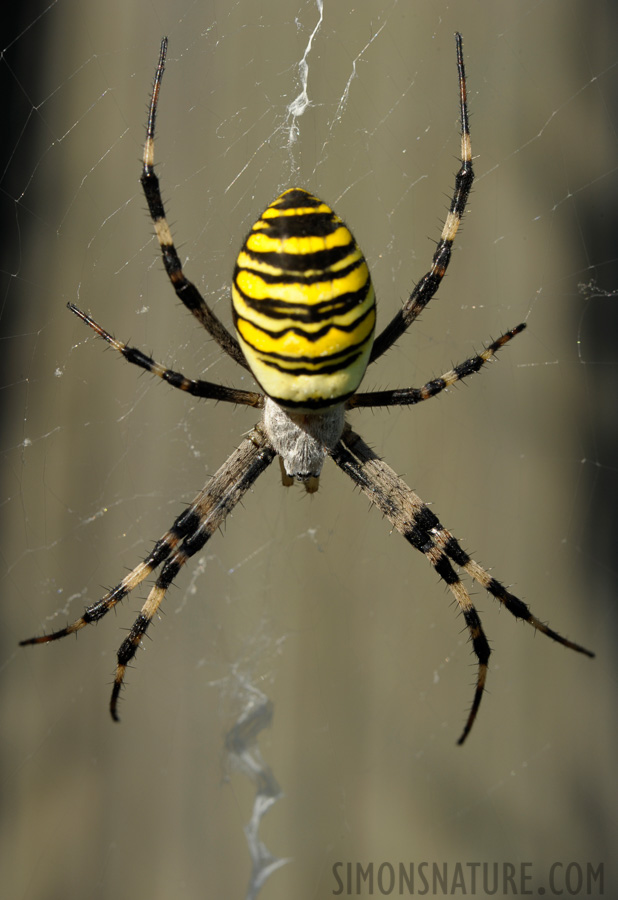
x,y
303,303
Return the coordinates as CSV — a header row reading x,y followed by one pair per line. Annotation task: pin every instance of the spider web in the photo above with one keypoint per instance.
x,y
307,656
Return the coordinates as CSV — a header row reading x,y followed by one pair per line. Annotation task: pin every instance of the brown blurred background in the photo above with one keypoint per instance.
x,y
309,600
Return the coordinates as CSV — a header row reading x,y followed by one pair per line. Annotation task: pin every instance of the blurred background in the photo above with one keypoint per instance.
x,y
309,604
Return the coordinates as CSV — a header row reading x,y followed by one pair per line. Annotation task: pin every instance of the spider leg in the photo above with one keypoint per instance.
x,y
96,611
197,388
205,515
410,396
429,283
517,608
191,530
185,289
420,526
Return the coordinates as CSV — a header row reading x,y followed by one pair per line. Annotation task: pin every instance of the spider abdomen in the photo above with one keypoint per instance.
x,y
303,303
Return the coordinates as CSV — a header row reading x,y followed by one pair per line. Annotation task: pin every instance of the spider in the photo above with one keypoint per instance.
x,y
304,311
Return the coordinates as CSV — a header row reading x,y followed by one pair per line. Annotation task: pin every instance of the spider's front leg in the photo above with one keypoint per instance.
x,y
420,526
188,535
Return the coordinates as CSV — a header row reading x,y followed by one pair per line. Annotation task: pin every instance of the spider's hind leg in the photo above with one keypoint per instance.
x,y
430,282
186,291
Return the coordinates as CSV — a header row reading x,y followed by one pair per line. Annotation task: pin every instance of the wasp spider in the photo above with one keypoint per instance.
x,y
304,310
